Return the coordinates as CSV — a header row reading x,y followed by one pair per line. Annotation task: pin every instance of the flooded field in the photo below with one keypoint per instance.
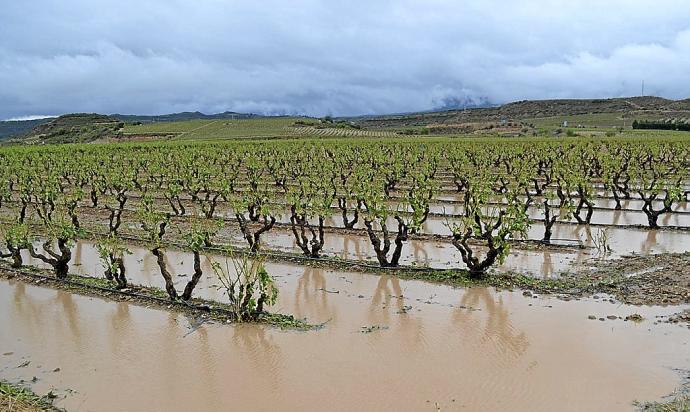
x,y
448,293
604,214
436,254
388,344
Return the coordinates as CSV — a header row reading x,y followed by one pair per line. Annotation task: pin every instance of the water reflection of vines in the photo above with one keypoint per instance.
x,y
498,328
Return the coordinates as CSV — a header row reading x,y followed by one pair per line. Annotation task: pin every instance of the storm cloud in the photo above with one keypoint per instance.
x,y
321,57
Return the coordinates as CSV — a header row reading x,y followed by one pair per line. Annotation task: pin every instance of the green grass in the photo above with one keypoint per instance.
x,y
20,399
679,403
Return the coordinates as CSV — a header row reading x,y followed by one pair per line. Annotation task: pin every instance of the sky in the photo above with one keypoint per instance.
x,y
328,57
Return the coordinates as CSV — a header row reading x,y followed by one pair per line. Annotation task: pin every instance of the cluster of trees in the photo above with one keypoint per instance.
x,y
679,125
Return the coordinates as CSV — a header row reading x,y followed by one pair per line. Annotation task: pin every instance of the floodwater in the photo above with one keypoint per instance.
x,y
435,254
546,263
618,221
631,214
430,346
142,267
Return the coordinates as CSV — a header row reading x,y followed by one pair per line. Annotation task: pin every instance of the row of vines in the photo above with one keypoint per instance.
x,y
185,193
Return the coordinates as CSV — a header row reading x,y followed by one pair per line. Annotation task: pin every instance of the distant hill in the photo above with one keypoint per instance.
x,y
73,128
545,108
22,129
13,128
530,109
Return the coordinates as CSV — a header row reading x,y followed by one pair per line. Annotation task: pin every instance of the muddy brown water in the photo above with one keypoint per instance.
x,y
545,263
458,349
440,225
142,267
622,241
423,253
633,216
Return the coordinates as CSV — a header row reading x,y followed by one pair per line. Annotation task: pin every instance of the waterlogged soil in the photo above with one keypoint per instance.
x,y
432,254
539,262
573,246
648,279
388,344
636,279
142,267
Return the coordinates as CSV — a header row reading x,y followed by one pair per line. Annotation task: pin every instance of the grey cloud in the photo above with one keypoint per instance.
x,y
318,57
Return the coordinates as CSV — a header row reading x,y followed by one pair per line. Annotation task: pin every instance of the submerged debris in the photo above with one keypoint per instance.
x,y
404,310
635,317
373,328
683,317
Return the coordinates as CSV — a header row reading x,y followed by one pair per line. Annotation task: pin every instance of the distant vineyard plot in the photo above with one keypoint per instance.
x,y
215,129
274,127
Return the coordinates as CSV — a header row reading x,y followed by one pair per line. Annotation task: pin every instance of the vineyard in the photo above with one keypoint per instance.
x,y
214,129
273,127
206,225
482,200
